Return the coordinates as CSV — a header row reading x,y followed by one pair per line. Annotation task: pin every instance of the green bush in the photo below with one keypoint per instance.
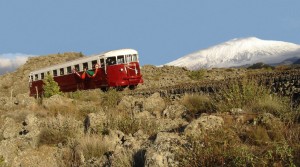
x,y
50,86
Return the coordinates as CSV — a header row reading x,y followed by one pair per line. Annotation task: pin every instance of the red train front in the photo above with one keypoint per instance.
x,y
118,69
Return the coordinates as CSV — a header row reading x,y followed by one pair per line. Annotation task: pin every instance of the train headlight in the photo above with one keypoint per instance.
x,y
121,69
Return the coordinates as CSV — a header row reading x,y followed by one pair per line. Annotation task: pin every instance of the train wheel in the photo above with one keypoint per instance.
x,y
132,87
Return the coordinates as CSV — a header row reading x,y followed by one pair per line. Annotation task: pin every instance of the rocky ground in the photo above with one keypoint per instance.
x,y
95,128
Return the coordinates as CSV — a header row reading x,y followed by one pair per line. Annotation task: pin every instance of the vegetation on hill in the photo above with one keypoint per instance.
x,y
240,125
50,87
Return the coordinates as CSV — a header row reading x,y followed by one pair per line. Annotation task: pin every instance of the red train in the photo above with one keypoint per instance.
x,y
117,69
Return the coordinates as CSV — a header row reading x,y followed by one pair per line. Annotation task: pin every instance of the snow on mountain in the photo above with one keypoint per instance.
x,y
239,52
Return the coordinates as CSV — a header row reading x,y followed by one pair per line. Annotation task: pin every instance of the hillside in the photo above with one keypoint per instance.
x,y
242,125
240,52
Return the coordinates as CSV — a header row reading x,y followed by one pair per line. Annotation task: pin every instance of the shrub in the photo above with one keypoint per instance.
x,y
93,95
126,123
197,75
223,148
50,87
58,130
261,66
197,104
111,98
71,155
277,106
93,146
218,148
240,94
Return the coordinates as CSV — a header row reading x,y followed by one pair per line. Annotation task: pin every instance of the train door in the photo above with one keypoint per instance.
x,y
103,72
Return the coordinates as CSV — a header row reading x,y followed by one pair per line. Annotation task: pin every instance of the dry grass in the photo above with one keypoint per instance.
x,y
240,94
197,104
93,146
58,130
125,122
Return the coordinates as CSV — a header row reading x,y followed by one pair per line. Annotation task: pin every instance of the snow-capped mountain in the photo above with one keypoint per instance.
x,y
240,52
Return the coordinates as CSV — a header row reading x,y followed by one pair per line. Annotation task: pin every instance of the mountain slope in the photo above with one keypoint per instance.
x,y
239,52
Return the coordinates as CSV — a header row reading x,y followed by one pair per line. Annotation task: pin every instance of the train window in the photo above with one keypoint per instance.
x,y
120,59
134,57
36,77
62,71
128,58
94,62
69,70
54,73
77,67
111,61
42,75
101,63
85,65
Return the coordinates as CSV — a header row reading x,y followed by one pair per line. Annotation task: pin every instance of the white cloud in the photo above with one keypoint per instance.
x,y
11,61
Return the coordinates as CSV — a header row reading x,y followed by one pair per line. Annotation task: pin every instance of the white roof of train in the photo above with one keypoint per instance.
x,y
87,59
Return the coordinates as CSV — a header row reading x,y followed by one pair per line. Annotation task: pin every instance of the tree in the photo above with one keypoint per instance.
x,y
50,86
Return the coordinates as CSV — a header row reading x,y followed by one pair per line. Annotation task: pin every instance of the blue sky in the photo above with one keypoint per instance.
x,y
161,30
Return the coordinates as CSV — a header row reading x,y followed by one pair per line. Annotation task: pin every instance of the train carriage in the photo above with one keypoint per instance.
x,y
118,69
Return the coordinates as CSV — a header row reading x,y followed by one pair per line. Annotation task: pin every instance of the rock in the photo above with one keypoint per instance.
x,y
31,130
174,111
155,104
162,152
95,122
25,100
113,139
126,102
204,123
10,128
172,125
133,103
144,115
236,111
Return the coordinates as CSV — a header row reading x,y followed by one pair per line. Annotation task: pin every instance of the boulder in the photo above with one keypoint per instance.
x,y
162,152
203,124
25,100
174,111
10,129
95,122
155,105
31,130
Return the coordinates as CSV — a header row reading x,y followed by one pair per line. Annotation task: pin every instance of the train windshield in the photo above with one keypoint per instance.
x,y
134,57
128,58
120,59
